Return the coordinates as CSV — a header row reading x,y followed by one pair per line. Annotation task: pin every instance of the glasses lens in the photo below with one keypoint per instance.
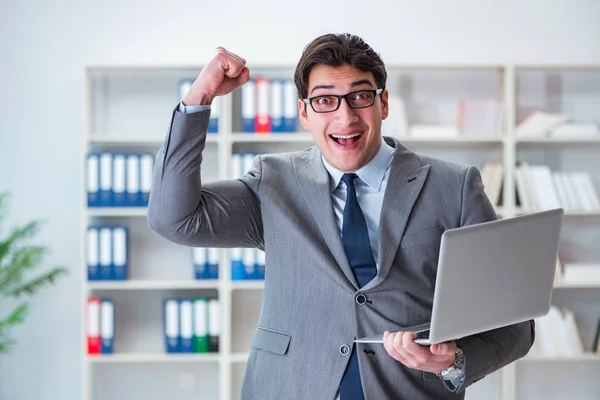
x,y
324,103
361,99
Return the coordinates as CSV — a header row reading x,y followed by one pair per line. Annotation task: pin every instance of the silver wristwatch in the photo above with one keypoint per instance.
x,y
456,369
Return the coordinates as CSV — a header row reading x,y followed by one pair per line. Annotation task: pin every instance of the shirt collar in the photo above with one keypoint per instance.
x,y
372,173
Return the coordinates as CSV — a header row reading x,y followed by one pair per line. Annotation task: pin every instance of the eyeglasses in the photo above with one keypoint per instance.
x,y
331,102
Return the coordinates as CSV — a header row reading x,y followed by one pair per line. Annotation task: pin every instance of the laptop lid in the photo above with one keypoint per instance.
x,y
495,274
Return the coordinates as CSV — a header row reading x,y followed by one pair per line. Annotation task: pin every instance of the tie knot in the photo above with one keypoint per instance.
x,y
348,179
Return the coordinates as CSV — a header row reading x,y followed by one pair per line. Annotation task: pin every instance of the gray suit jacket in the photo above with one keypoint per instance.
x,y
283,205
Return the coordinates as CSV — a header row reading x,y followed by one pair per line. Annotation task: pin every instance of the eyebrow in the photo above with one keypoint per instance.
x,y
352,85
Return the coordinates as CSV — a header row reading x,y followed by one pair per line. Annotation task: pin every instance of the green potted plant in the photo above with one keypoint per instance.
x,y
17,257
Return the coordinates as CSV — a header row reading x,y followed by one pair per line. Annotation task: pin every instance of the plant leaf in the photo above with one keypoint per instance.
x,y
3,346
18,315
29,288
21,260
17,235
3,207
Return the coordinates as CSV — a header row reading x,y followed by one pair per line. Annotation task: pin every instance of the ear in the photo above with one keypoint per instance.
x,y
302,113
385,106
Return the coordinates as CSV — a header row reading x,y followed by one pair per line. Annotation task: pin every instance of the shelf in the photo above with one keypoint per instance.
x,y
579,285
299,137
577,358
153,358
582,213
117,211
124,140
248,285
557,141
520,211
153,285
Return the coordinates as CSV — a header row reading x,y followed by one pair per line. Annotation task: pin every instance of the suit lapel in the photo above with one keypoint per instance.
x,y
313,180
405,182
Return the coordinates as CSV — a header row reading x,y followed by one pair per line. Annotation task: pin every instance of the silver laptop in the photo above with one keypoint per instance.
x,y
491,275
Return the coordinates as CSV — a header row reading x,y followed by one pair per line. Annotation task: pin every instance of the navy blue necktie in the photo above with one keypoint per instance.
x,y
355,238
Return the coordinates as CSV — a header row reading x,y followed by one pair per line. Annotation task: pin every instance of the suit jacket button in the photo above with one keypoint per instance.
x,y
361,299
344,349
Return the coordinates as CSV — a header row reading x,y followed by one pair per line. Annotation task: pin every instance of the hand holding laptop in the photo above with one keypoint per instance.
x,y
401,347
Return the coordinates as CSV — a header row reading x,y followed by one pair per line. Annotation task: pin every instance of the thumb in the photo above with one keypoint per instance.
x,y
230,84
437,349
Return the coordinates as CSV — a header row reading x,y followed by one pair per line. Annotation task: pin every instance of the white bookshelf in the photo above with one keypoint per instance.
x,y
584,357
148,284
117,212
558,285
155,358
129,109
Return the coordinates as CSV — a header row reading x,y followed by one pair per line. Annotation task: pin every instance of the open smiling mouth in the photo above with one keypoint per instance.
x,y
346,140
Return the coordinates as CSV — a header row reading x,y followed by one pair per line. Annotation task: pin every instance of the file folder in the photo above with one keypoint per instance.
x,y
214,325
212,272
106,260
201,338
200,261
248,107
215,113
93,325
186,328
93,180
263,117
277,106
146,170
237,160
249,260
237,266
290,107
118,181
107,326
106,191
171,325
133,180
248,161
93,260
120,252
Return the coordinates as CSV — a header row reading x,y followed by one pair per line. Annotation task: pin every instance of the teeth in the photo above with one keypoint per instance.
x,y
345,137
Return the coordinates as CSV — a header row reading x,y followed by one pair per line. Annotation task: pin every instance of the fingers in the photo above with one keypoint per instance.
x,y
232,64
401,347
396,345
243,77
227,52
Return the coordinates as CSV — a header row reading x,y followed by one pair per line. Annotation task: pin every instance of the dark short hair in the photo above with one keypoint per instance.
x,y
336,50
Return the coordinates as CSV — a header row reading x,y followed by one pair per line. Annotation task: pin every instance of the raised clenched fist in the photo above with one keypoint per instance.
x,y
224,73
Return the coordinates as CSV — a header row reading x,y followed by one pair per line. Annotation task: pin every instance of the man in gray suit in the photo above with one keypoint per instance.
x,y
351,228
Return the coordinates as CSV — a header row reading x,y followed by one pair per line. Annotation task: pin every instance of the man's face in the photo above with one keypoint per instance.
x,y
349,137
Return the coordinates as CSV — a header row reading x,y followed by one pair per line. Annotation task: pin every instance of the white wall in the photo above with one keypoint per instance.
x,y
45,45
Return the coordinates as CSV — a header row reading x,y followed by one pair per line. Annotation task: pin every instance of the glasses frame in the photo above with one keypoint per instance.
x,y
376,92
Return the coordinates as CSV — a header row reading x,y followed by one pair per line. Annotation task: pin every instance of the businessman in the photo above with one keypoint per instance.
x,y
351,228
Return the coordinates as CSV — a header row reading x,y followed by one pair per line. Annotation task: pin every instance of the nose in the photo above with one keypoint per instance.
x,y
345,115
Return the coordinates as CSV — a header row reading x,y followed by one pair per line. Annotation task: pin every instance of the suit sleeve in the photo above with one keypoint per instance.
x,y
184,210
488,351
